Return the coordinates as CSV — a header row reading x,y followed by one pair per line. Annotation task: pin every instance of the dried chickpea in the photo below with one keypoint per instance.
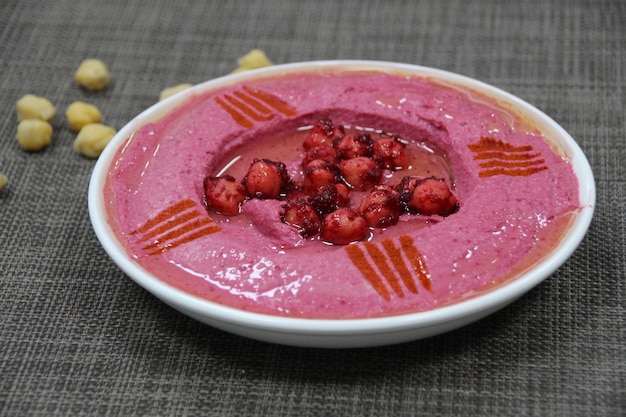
x,y
256,58
92,139
3,180
80,114
170,91
92,74
34,107
34,134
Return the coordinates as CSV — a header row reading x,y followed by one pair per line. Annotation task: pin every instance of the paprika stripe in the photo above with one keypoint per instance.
x,y
174,226
511,172
185,239
510,164
416,260
501,158
175,233
165,215
250,105
247,110
357,256
394,254
381,265
164,227
234,114
378,257
506,156
272,101
259,106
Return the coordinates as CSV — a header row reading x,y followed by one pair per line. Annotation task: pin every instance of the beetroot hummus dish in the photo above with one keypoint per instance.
x,y
333,195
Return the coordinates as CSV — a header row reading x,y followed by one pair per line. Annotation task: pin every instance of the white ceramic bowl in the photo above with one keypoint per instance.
x,y
345,333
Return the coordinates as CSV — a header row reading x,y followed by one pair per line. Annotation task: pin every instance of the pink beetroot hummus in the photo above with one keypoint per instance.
x,y
516,197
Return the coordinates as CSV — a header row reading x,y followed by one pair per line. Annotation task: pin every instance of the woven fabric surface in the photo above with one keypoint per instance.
x,y
78,337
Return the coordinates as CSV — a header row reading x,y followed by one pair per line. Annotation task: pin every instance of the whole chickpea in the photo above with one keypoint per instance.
x,y
34,134
92,74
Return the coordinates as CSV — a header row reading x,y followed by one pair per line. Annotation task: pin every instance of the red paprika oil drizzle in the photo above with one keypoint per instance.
x,y
165,214
373,263
234,114
417,262
271,100
253,105
380,261
394,254
177,224
502,158
357,256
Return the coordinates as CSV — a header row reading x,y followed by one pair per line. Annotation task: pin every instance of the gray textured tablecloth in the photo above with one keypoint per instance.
x,y
78,337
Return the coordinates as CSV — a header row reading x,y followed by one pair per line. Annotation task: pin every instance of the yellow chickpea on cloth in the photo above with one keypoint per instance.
x,y
170,91
92,139
80,114
31,106
92,74
254,59
34,134
3,180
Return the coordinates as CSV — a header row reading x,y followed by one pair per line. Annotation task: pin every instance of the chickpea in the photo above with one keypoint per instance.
x,y
265,179
360,173
301,215
433,196
92,139
330,198
323,133
3,180
352,145
391,153
34,134
224,195
343,226
92,74
427,196
170,91
80,114
317,174
34,107
381,207
256,58
324,152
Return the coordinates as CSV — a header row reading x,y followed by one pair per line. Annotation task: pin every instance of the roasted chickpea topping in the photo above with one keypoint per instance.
x,y
381,207
427,196
323,133
329,198
353,145
391,153
266,179
323,152
317,174
343,226
224,195
336,168
360,173
302,215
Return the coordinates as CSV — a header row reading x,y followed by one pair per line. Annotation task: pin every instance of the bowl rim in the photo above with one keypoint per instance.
x,y
492,299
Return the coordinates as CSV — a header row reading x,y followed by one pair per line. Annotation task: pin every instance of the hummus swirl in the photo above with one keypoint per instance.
x,y
516,196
